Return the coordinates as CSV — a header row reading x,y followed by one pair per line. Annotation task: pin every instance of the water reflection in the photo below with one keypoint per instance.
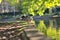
x,y
50,27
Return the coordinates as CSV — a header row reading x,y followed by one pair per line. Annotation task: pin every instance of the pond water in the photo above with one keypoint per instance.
x,y
50,28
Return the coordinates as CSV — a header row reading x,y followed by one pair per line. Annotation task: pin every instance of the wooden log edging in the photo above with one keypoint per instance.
x,y
12,33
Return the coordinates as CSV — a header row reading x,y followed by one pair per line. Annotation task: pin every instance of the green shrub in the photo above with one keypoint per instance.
x,y
41,27
58,34
51,32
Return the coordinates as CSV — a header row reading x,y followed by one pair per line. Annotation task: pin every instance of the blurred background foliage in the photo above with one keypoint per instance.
x,y
38,6
33,6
